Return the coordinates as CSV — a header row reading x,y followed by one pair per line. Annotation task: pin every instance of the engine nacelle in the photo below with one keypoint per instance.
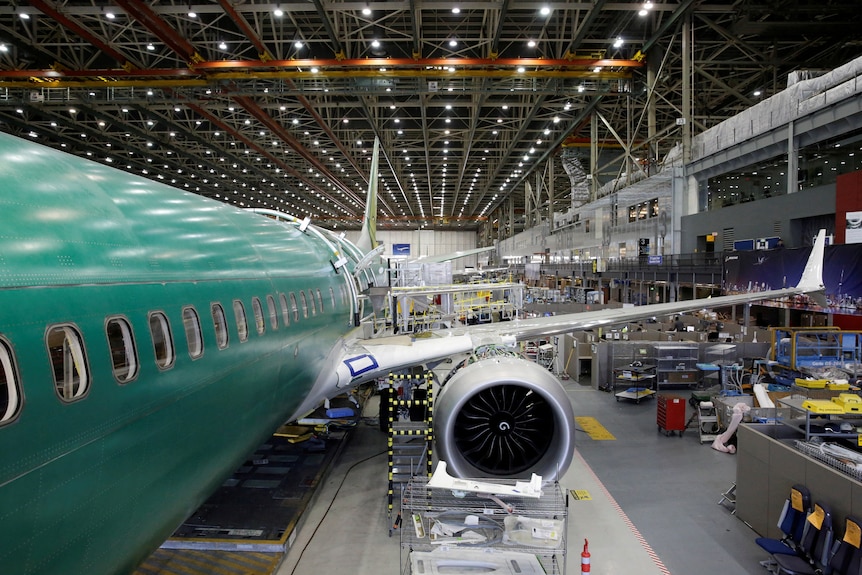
x,y
504,417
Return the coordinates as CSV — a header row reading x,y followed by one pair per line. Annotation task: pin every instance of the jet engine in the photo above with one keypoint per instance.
x,y
505,417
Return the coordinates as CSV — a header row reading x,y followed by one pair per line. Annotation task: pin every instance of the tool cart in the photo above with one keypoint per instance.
x,y
670,414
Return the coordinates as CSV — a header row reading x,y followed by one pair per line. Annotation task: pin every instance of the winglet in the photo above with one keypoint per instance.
x,y
368,237
811,281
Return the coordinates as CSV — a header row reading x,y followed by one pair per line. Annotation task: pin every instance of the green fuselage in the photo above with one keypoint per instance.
x,y
92,485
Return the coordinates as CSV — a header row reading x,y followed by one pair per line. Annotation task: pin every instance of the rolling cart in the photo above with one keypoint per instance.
x,y
670,414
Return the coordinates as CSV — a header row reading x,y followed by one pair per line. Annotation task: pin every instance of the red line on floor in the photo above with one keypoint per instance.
x,y
626,520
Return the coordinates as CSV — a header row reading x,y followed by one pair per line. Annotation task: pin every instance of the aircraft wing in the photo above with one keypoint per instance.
x,y
453,255
367,359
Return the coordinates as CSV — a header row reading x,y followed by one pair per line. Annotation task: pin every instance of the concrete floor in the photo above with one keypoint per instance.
x,y
653,507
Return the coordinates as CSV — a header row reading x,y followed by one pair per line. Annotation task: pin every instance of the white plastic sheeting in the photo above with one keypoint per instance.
x,y
798,100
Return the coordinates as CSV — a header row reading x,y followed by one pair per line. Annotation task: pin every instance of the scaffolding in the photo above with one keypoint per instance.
x,y
409,419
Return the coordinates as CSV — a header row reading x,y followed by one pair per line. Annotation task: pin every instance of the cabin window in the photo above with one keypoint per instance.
x,y
10,389
304,303
194,337
285,311
293,307
121,342
258,315
273,314
220,325
332,296
163,343
319,301
68,361
311,298
241,321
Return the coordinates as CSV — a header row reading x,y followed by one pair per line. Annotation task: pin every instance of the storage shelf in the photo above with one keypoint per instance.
x,y
676,364
804,424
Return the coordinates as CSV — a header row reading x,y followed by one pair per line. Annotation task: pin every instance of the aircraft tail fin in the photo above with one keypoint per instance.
x,y
811,281
368,237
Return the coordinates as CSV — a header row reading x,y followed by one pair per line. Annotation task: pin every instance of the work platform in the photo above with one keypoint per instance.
x,y
249,523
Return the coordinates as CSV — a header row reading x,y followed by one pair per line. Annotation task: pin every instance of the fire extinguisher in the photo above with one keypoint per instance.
x,y
585,559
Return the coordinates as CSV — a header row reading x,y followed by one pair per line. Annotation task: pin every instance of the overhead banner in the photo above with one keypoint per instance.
x,y
760,270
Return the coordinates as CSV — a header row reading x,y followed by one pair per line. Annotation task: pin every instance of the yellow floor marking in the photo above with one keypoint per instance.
x,y
200,562
594,429
581,494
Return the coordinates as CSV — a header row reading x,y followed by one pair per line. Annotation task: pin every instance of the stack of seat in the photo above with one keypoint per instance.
x,y
815,547
812,549
796,508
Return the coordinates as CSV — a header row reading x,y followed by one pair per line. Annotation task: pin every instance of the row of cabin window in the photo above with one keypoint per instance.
x,y
67,353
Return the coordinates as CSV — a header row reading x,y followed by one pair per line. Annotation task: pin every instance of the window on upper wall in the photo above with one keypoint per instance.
x,y
10,388
121,343
163,342
273,314
194,337
285,311
332,296
293,307
319,301
258,315
220,325
68,362
241,321
304,303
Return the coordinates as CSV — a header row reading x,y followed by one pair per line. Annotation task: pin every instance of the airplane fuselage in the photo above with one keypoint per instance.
x,y
136,395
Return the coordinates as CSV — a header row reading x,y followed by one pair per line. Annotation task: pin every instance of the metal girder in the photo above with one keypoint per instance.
x,y
183,65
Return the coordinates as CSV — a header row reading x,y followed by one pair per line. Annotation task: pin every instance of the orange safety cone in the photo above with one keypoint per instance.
x,y
585,559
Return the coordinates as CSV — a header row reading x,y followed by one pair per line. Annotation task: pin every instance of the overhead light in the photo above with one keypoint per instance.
x,y
456,10
453,43
109,15
618,42
192,14
545,10
24,16
150,47
298,44
531,44
366,11
278,12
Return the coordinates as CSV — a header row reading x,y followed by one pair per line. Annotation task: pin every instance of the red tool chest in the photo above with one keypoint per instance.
x,y
670,414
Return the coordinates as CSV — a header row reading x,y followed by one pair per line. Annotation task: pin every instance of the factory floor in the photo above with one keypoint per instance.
x,y
647,502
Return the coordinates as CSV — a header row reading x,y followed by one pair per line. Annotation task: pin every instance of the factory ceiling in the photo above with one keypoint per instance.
x,y
277,104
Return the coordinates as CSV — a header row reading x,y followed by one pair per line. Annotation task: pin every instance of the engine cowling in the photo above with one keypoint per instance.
x,y
504,417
